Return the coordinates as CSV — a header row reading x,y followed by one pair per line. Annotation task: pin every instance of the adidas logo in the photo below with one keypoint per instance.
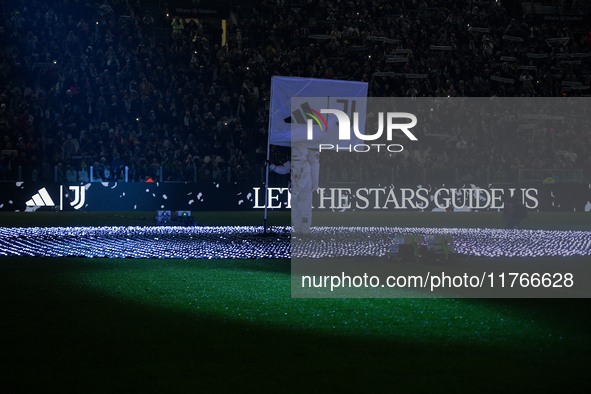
x,y
41,199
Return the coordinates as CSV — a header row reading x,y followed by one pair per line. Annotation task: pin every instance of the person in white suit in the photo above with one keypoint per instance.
x,y
304,168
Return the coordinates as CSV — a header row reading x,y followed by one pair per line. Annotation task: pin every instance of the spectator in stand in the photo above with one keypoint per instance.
x,y
571,158
71,175
177,27
587,170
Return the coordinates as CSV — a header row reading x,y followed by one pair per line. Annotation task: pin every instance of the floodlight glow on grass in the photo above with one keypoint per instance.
x,y
231,242
255,292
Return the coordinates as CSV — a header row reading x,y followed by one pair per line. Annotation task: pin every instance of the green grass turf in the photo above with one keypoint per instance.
x,y
104,326
121,326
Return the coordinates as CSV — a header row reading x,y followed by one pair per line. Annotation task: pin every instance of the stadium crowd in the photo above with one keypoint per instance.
x,y
121,84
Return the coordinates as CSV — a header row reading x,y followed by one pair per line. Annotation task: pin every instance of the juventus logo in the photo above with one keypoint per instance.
x,y
79,196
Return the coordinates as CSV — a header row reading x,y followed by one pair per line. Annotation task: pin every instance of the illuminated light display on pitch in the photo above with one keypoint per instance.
x,y
233,242
241,242
376,241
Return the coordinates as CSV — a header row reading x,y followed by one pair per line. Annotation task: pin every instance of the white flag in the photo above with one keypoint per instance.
x,y
328,94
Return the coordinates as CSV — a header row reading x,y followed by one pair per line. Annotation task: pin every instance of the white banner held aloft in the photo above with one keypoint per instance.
x,y
499,79
479,29
570,83
387,74
537,55
560,40
512,38
440,47
327,93
541,117
400,51
396,59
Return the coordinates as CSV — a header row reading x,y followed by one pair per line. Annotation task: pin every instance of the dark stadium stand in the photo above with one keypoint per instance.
x,y
129,84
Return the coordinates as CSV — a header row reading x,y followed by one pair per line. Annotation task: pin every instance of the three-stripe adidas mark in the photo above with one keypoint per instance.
x,y
41,199
299,115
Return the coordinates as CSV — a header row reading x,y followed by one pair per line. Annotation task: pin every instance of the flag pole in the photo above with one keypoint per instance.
x,y
266,186
268,157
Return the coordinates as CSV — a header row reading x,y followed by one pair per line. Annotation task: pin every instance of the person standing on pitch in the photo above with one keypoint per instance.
x,y
301,187
313,158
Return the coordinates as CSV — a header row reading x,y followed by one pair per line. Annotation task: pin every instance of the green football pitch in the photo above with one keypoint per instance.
x,y
184,326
